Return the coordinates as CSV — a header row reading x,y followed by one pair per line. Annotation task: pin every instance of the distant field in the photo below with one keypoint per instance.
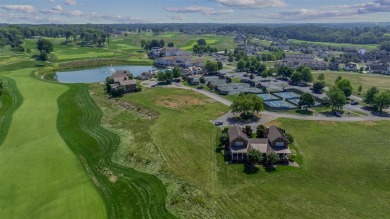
x,y
341,45
365,80
182,41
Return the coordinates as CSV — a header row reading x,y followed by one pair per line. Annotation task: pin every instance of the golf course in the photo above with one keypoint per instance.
x,y
72,151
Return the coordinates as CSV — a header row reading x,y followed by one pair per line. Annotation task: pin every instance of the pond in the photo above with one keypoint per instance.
x,y
96,74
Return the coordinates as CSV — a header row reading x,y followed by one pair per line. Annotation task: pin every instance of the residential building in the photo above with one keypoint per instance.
x,y
240,144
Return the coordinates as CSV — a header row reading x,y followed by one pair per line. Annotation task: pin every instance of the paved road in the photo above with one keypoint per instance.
x,y
267,116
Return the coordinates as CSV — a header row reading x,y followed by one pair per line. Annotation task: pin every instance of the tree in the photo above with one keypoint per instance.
x,y
202,80
306,100
176,72
385,46
109,81
248,131
255,156
272,158
241,65
295,77
262,67
211,67
338,79
52,58
45,45
290,138
118,92
336,97
264,74
224,138
321,77
247,104
261,131
284,71
220,65
382,100
318,86
345,85
306,75
171,44
201,42
369,95
360,89
231,58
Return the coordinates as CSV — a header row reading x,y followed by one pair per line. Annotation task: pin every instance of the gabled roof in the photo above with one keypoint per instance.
x,y
235,132
127,82
120,73
274,133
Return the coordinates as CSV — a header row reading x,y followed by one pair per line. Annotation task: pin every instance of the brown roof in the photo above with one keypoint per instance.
x,y
235,132
274,133
127,82
120,73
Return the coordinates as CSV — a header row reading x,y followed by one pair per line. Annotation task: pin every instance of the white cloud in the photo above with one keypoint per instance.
x,y
52,1
178,17
70,2
20,8
190,9
116,18
252,4
332,12
198,9
57,8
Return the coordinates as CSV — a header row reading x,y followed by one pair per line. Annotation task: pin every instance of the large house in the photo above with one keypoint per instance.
x,y
381,67
240,144
121,78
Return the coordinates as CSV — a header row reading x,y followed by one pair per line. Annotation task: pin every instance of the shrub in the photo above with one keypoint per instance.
x,y
290,138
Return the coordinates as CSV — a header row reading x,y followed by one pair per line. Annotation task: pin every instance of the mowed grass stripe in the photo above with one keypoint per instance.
x,y
11,100
40,176
127,192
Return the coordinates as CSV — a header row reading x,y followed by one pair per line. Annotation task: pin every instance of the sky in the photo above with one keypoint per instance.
x,y
193,11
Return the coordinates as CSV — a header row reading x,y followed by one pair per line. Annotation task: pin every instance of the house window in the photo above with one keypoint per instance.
x,y
279,144
239,144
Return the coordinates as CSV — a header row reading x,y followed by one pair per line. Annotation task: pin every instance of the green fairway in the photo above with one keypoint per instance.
x,y
335,178
40,176
365,80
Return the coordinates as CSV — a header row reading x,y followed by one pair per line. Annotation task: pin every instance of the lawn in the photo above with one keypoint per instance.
x,y
365,80
341,45
333,180
40,176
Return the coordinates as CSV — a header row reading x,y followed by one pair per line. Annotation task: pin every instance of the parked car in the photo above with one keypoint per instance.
x,y
355,103
153,85
218,123
338,114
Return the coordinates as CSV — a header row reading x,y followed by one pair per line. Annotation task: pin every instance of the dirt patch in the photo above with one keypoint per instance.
x,y
179,102
368,123
274,122
326,122
147,113
109,174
